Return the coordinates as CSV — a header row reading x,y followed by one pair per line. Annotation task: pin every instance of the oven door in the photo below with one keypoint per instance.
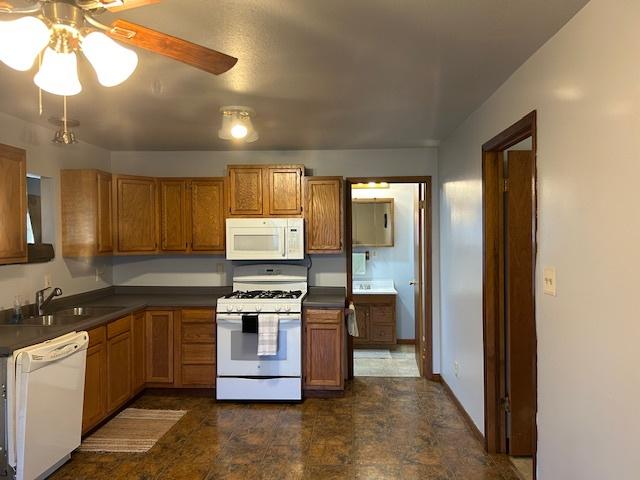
x,y
256,243
238,352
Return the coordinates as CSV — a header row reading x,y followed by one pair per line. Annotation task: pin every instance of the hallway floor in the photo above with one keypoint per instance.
x,y
383,428
399,362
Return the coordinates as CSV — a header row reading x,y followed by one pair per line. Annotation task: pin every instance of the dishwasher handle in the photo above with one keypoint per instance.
x,y
53,351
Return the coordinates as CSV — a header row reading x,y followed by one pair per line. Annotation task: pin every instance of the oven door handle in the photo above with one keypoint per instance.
x,y
236,319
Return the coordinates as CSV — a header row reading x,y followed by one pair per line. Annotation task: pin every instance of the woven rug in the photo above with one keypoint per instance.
x,y
134,430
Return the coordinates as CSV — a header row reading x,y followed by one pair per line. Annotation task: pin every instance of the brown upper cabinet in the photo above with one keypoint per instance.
x,y
192,215
269,190
136,213
86,213
174,215
324,214
13,205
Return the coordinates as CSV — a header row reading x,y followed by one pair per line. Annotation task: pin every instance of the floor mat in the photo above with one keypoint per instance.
x,y
370,353
134,430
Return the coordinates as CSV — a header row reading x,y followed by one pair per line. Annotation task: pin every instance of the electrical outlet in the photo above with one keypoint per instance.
x,y
47,280
220,268
456,369
99,273
549,281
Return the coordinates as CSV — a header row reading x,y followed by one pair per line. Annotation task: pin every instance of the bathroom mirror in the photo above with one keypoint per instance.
x,y
372,223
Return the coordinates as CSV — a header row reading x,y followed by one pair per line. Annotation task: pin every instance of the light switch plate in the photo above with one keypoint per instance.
x,y
47,280
550,281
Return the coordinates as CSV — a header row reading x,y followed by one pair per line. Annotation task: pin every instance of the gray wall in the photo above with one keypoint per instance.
x,y
584,84
327,270
46,159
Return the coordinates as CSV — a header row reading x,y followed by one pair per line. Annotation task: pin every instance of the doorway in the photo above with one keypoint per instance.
x,y
509,251
388,244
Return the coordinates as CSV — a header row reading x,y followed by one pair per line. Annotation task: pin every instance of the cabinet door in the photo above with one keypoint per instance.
x,y
118,370
207,215
173,215
159,346
324,214
197,348
95,380
137,335
324,346
136,214
362,319
13,205
245,191
104,213
285,190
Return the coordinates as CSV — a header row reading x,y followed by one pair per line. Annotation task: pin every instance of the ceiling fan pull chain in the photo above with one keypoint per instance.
x,y
40,107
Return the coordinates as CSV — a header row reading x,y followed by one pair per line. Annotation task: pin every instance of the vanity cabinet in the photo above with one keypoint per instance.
x,y
324,347
324,215
87,215
13,205
376,318
136,214
265,190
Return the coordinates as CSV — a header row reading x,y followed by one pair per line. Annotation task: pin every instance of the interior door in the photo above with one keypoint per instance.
x,y
519,308
418,283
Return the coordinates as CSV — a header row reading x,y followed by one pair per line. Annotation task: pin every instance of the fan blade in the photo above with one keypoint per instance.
x,y
186,52
130,4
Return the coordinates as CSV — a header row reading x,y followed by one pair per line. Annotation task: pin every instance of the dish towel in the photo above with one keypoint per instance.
x,y
352,324
267,334
359,263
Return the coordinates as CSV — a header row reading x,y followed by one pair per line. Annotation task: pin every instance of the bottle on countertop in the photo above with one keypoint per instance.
x,y
17,309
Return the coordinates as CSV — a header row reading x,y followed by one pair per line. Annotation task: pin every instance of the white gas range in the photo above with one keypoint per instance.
x,y
241,373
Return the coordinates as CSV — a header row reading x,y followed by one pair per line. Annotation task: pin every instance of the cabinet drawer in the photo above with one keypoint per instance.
x,y
96,336
198,316
198,333
204,375
324,316
381,333
198,353
119,326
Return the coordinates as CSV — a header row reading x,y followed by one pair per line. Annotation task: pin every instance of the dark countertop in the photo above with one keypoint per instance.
x,y
130,299
126,300
325,297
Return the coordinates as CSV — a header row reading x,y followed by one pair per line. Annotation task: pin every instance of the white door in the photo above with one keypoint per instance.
x,y
238,352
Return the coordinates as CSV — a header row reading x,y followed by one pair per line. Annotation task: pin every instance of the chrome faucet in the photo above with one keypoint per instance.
x,y
42,302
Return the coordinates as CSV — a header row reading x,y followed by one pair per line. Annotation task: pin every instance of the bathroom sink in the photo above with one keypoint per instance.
x,y
374,287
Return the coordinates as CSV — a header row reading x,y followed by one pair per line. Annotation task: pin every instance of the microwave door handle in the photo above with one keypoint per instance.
x,y
284,239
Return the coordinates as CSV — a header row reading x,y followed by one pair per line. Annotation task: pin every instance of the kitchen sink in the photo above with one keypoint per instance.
x,y
86,311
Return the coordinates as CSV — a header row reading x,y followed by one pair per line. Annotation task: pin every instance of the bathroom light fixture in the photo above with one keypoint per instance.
x,y
237,124
370,185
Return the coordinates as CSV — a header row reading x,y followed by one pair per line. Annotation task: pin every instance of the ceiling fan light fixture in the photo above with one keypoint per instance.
x,y
21,40
112,62
59,73
237,124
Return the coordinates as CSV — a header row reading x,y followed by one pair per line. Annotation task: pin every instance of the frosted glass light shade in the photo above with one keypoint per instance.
x,y
59,73
237,127
21,40
112,62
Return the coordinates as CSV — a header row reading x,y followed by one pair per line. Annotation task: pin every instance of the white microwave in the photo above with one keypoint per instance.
x,y
265,238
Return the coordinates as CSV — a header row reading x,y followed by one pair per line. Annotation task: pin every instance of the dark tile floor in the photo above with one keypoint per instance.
x,y
383,428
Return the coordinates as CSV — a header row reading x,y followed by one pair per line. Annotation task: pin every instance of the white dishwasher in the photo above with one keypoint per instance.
x,y
45,391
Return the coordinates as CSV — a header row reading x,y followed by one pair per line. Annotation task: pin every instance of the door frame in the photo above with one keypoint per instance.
x,y
427,281
493,277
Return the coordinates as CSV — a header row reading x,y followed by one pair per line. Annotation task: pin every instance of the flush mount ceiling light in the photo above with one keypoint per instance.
x,y
60,29
370,185
237,124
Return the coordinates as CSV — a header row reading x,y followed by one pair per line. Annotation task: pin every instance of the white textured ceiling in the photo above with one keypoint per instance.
x,y
319,73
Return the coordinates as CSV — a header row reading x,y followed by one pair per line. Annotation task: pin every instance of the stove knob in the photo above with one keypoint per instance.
x,y
238,309
229,308
258,309
278,309
287,309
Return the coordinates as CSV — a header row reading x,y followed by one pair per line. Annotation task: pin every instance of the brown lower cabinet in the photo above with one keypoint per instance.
x,y
95,384
159,347
196,349
376,317
324,347
119,363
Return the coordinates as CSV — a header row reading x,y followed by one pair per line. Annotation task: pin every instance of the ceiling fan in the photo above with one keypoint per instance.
x,y
57,30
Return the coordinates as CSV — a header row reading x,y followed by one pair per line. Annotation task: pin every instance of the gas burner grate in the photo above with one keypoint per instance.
x,y
265,294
